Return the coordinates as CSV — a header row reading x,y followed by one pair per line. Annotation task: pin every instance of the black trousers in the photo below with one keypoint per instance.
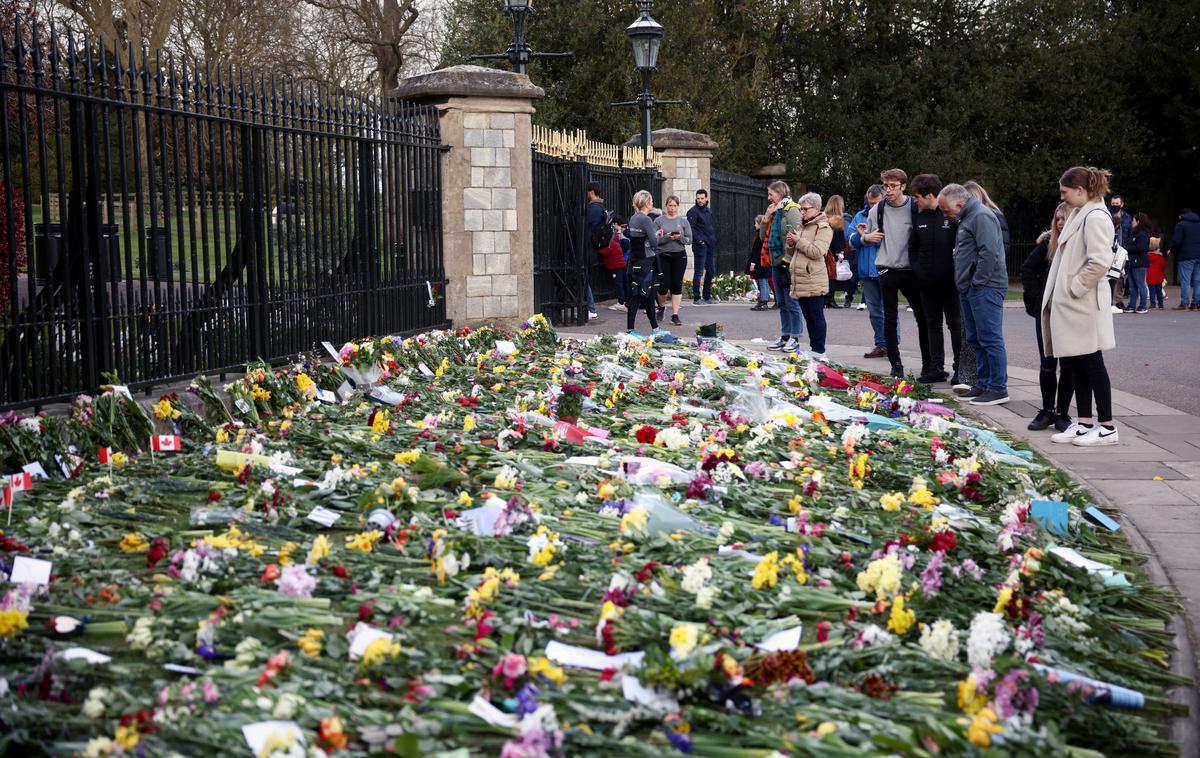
x,y
1091,380
940,301
640,281
893,282
1054,377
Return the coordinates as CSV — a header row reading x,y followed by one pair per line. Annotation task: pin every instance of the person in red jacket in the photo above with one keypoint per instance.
x,y
613,258
1156,276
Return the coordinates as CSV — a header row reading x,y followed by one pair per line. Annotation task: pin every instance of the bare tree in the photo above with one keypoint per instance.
x,y
127,22
381,26
258,34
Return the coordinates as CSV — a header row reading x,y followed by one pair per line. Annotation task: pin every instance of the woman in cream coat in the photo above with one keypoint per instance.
x,y
1077,324
810,278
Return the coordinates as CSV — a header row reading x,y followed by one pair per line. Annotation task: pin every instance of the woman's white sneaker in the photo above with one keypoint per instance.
x,y
1069,434
1097,435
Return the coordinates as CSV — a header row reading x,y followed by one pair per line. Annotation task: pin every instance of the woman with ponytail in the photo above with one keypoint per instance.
x,y
1076,313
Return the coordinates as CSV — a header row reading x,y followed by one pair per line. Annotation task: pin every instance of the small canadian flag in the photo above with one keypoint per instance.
x,y
106,455
166,443
20,482
8,497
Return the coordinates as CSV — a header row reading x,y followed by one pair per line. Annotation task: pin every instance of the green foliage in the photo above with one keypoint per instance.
x,y
1009,93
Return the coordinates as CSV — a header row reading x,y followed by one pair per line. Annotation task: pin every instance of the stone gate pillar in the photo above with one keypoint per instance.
x,y
686,167
487,189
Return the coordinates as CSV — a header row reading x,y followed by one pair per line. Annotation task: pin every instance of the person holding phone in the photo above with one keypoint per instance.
x,y
674,234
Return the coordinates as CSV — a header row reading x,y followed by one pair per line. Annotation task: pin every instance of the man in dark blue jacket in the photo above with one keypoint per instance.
x,y
1185,246
931,252
597,218
704,247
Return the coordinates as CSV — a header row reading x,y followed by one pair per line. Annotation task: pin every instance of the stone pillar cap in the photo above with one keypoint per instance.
x,y
467,81
674,139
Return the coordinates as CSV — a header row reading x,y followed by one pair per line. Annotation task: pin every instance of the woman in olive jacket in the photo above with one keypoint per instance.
x,y
810,277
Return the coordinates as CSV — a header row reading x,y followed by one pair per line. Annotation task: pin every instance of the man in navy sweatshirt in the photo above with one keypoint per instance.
x,y
704,247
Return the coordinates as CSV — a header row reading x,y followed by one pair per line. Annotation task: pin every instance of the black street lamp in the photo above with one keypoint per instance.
x,y
645,36
518,53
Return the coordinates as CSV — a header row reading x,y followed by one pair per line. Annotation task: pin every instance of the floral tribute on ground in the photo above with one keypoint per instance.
x,y
724,554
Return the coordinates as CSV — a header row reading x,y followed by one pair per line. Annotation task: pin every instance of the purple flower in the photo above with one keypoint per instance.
x,y
931,577
527,701
682,742
207,650
776,520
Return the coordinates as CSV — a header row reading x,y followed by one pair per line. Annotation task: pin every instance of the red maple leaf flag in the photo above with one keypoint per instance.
x,y
166,443
106,455
20,482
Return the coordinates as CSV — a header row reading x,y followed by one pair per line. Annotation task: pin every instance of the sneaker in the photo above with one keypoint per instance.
x,y
791,346
972,392
778,344
1142,310
698,301
932,377
1126,310
761,306
1115,309
909,309
860,307
709,301
822,357
1096,436
1062,423
675,319
848,304
990,397
877,352
1070,433
617,307
634,333
592,315
1041,421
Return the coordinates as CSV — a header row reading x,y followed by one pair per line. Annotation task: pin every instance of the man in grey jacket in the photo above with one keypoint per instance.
x,y
982,280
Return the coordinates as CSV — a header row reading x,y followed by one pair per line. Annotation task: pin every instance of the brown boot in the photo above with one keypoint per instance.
x,y
1181,307
878,352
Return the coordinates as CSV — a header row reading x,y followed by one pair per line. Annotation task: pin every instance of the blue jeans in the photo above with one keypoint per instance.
x,y
983,322
704,259
1139,294
789,310
873,297
764,290
591,300
1156,295
1189,282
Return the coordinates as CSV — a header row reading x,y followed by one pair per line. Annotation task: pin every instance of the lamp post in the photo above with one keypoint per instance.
x,y
645,36
518,53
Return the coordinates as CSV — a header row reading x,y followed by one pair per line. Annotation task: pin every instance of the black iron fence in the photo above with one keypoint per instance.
x,y
736,201
159,220
564,262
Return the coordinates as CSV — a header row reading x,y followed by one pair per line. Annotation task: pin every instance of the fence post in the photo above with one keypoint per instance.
x,y
686,167
487,189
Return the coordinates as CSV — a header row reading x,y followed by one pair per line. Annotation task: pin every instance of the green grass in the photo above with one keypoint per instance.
x,y
211,250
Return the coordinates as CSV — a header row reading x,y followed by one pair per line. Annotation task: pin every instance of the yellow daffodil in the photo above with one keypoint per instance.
x,y
133,543
13,622
310,643
364,541
901,619
320,549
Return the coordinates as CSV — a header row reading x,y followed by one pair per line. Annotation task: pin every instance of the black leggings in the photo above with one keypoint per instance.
x,y
640,281
1054,377
672,266
1091,379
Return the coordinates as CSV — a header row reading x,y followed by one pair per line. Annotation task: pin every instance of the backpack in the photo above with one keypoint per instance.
x,y
603,234
1116,268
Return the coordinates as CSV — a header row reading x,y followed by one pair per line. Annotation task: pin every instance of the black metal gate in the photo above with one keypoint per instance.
x,y
159,221
736,201
563,260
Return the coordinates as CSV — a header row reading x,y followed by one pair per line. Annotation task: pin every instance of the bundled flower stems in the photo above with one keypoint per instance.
x,y
723,554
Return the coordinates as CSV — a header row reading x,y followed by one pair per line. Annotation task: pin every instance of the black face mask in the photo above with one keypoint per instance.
x,y
1114,208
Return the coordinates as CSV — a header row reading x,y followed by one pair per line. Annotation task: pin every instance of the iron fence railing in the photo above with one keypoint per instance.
x,y
161,219
564,262
736,201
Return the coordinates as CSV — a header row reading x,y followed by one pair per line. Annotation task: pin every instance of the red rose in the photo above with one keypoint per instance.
x,y
646,435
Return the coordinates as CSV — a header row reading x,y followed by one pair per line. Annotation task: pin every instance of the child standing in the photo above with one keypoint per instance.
x,y
758,267
613,257
1157,274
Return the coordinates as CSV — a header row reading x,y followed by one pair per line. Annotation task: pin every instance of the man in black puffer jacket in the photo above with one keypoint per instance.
x,y
931,251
